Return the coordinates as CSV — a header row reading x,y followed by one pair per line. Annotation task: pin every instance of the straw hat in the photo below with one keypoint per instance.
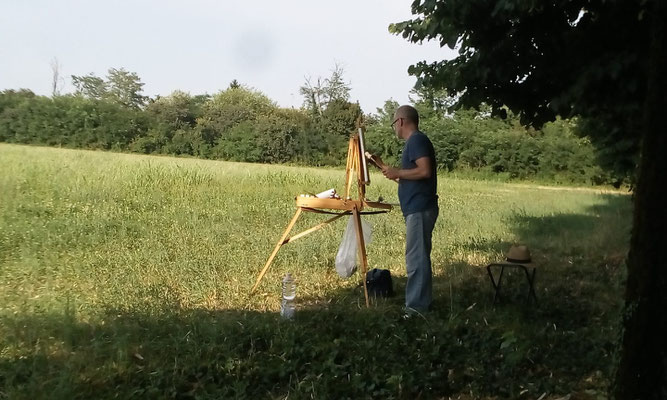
x,y
519,254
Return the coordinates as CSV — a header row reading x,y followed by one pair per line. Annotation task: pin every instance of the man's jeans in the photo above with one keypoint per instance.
x,y
419,229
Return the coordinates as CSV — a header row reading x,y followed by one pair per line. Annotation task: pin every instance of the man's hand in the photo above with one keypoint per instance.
x,y
390,173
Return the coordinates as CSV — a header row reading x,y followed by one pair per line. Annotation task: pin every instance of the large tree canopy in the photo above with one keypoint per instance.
x,y
603,60
540,59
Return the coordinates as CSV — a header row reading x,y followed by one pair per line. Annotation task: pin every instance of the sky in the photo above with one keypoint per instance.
x,y
200,46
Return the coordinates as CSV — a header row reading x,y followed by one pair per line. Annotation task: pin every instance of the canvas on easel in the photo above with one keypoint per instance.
x,y
356,167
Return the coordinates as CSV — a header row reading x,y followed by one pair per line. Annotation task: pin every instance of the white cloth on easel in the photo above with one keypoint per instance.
x,y
327,194
346,258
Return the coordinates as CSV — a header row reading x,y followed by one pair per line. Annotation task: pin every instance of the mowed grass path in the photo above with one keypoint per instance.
x,y
128,276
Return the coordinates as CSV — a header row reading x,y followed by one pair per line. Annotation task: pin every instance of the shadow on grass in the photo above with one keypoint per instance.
x,y
336,348
335,351
570,251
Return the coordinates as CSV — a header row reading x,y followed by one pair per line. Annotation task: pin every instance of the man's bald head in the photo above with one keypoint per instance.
x,y
409,113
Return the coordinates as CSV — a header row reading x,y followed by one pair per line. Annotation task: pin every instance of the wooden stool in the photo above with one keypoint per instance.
x,y
530,276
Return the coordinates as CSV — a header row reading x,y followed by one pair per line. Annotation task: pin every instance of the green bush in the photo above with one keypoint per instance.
x,y
241,124
70,121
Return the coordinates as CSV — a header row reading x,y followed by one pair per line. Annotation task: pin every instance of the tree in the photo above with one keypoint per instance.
x,y
124,88
336,89
56,79
380,139
90,86
121,87
642,373
332,113
226,109
542,59
173,120
583,58
436,101
313,96
176,110
320,94
11,101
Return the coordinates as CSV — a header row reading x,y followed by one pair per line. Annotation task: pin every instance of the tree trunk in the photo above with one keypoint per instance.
x,y
642,370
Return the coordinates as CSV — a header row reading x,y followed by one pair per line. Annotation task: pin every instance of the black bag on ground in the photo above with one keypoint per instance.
x,y
378,283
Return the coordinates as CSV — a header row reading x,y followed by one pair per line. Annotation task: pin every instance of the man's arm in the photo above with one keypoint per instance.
x,y
421,171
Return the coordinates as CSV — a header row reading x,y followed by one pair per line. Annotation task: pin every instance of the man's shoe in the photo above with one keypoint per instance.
x,y
410,313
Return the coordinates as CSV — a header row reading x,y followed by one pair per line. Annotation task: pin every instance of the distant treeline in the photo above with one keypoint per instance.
x,y
242,124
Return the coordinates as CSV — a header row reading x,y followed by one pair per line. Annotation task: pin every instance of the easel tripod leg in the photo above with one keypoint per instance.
x,y
362,250
278,246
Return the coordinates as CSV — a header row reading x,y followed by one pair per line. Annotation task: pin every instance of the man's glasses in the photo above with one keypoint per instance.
x,y
395,121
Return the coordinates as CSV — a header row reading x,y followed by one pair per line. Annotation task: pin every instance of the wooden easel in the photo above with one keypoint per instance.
x,y
356,166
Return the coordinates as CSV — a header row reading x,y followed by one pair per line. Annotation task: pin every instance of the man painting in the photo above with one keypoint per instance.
x,y
417,193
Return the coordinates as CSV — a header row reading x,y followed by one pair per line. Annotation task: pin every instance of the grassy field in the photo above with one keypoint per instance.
x,y
127,276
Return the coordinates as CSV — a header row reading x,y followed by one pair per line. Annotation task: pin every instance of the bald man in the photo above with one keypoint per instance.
x,y
417,194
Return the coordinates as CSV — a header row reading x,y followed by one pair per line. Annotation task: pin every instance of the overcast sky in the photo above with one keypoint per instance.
x,y
199,46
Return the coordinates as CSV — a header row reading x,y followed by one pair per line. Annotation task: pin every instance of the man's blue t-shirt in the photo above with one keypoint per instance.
x,y
419,195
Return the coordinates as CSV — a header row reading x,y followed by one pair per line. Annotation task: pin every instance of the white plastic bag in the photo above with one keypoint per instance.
x,y
346,259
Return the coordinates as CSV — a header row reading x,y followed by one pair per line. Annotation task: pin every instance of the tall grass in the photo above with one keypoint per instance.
x,y
128,276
